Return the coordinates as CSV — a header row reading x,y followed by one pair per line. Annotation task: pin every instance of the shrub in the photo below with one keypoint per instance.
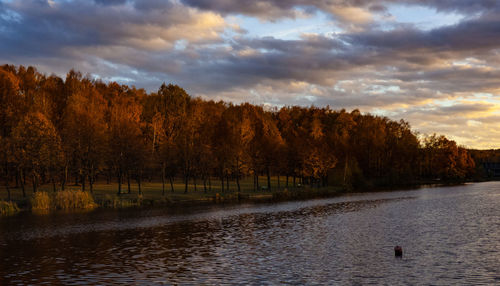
x,y
8,208
73,199
40,201
218,198
140,200
230,197
119,202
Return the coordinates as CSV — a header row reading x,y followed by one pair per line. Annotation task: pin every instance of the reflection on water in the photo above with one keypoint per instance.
x,y
449,235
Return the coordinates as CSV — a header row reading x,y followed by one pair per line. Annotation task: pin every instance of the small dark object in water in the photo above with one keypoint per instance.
x,y
398,251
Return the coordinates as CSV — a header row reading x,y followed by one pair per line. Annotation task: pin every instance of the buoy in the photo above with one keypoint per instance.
x,y
398,251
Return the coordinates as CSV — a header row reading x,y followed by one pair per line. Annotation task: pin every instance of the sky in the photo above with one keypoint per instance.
x,y
433,63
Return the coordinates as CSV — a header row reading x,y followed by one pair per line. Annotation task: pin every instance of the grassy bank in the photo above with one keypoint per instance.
x,y
105,195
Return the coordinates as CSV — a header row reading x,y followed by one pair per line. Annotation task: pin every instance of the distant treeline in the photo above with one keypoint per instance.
x,y
487,163
76,129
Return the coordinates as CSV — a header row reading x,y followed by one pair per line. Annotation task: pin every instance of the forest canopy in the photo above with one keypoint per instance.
x,y
54,130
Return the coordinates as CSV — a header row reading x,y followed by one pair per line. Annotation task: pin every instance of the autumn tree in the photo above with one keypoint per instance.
x,y
443,159
223,148
342,133
289,121
264,144
11,103
38,148
4,164
318,158
238,138
126,141
52,127
207,115
85,132
52,100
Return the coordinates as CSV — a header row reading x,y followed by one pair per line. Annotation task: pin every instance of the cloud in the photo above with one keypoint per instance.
x,y
395,70
354,15
157,25
344,10
478,34
471,124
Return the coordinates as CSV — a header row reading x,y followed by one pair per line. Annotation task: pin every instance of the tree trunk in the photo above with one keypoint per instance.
x,y
294,181
128,182
286,181
279,187
209,184
7,187
205,184
345,170
163,179
65,177
194,182
139,184
238,183
222,183
238,176
254,183
257,181
227,183
268,179
21,179
82,178
91,182
119,182
186,183
34,183
171,184
92,179
53,183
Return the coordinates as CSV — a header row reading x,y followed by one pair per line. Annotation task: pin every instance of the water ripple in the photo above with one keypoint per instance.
x,y
449,236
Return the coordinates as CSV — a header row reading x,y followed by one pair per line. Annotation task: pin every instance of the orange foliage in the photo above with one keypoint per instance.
x,y
56,130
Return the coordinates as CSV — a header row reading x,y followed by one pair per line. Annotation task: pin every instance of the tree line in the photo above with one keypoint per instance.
x,y
77,130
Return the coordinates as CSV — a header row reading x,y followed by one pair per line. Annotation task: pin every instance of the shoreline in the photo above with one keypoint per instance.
x,y
126,201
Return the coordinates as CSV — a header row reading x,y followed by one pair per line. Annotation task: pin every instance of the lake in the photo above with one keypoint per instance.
x,y
449,235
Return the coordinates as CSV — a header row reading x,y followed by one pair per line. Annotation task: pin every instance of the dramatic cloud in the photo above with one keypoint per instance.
x,y
108,30
355,54
269,9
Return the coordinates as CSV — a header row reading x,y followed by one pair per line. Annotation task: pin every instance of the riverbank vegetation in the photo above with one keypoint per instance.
x,y
487,164
8,208
80,133
62,200
104,194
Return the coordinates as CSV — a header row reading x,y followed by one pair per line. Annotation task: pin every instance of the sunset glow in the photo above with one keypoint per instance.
x,y
433,63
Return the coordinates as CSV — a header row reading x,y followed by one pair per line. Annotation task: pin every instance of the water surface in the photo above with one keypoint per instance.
x,y
450,235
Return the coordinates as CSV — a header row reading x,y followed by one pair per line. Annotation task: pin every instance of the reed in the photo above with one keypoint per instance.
x,y
8,208
40,201
73,199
